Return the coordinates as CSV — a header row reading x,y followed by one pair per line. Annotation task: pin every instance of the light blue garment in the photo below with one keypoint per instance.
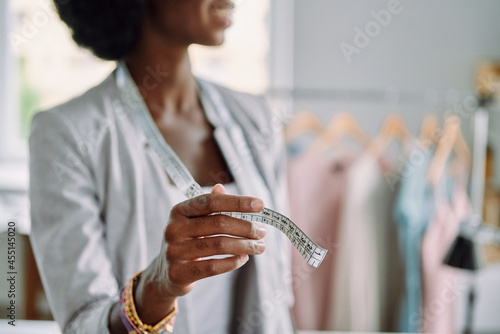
x,y
300,144
413,209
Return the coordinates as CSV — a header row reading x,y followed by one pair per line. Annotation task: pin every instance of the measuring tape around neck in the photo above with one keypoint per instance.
x,y
185,182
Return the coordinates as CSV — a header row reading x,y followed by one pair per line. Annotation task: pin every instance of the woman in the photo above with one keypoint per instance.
x,y
105,214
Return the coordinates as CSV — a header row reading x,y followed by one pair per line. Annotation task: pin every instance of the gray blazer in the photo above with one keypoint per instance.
x,y
99,208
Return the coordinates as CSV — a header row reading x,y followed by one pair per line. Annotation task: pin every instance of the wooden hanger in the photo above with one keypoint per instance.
x,y
304,121
488,79
429,130
452,140
341,125
393,128
463,156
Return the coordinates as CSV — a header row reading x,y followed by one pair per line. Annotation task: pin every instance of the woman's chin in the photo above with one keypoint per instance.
x,y
215,39
219,40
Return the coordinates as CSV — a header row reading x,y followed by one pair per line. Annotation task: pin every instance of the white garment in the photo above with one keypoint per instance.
x,y
210,317
366,290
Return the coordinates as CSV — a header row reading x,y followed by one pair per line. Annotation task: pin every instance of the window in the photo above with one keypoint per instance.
x,y
46,68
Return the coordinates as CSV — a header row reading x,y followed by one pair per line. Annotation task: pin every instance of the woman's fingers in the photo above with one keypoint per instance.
x,y
206,247
222,224
189,272
210,203
194,233
218,189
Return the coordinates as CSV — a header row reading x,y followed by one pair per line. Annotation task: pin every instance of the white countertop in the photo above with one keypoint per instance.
x,y
29,327
50,327
14,176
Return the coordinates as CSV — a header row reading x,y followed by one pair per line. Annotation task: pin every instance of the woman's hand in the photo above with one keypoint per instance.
x,y
192,234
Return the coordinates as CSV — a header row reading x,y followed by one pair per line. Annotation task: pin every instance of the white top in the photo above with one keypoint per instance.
x,y
366,288
211,297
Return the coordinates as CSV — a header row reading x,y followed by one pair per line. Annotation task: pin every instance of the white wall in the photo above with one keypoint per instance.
x,y
428,44
423,61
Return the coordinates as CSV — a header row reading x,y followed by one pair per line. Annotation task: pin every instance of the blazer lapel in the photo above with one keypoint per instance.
x,y
254,137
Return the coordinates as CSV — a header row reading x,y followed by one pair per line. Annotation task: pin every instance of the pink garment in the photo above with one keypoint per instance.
x,y
317,186
440,283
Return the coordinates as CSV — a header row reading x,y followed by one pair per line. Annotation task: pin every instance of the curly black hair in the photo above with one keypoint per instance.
x,y
109,28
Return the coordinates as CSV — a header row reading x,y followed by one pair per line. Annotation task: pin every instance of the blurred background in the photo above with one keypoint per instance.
x,y
344,76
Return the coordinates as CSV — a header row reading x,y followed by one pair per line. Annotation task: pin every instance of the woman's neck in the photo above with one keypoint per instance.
x,y
163,74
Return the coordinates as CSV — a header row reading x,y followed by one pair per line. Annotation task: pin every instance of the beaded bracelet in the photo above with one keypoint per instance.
x,y
131,320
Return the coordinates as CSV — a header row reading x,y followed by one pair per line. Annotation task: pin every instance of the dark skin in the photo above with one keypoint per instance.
x,y
173,102
167,31
191,137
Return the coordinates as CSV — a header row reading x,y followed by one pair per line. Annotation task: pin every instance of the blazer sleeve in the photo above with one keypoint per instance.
x,y
68,235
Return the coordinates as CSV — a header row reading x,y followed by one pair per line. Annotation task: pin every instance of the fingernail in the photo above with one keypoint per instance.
x,y
261,231
257,204
260,245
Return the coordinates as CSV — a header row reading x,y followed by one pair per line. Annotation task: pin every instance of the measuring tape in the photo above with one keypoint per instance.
x,y
185,182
